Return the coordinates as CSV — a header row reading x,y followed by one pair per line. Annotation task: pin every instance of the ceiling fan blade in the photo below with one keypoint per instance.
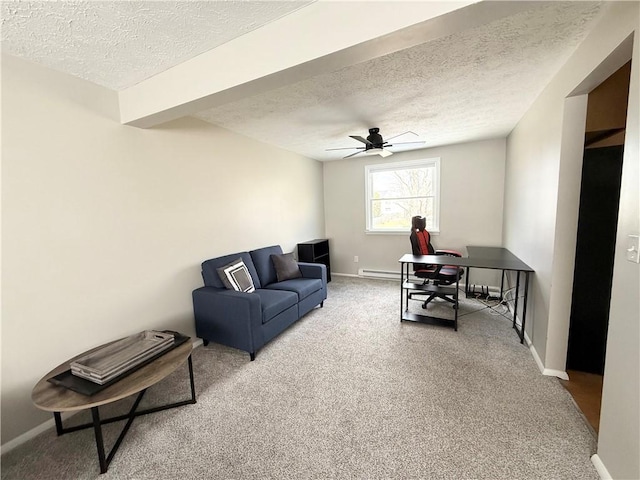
x,y
360,139
404,133
351,155
406,143
345,148
385,153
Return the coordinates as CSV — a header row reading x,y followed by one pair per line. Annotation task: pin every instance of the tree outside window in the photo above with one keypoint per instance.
x,y
398,191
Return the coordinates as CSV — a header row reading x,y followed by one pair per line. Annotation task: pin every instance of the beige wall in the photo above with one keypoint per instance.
x,y
471,185
619,435
104,226
541,211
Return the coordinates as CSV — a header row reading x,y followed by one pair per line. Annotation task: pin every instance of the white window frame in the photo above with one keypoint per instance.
x,y
371,169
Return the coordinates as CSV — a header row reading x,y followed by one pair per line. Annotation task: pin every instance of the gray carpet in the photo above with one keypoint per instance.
x,y
347,392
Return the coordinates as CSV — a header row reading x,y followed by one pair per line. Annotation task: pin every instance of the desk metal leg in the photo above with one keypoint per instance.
x,y
401,289
524,306
467,284
515,306
456,305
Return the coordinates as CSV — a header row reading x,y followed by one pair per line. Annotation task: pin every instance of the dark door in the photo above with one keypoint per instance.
x,y
593,274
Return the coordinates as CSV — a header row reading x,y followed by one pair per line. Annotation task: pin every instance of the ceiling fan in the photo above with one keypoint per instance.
x,y
374,144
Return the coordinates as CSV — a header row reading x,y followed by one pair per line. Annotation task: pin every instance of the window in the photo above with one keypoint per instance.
x,y
398,191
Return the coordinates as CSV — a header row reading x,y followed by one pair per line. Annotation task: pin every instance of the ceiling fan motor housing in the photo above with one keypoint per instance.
x,y
375,138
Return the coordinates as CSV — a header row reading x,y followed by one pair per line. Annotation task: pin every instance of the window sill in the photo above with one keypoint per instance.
x,y
397,232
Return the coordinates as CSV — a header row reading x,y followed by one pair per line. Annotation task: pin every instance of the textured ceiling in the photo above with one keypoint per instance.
x,y
471,85
120,43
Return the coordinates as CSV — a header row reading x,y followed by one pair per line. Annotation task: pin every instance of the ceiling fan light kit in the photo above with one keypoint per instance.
x,y
377,151
374,144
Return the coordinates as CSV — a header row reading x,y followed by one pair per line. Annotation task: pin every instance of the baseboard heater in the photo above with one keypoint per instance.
x,y
479,291
372,273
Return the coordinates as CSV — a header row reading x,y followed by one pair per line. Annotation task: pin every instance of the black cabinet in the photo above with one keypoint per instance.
x,y
316,251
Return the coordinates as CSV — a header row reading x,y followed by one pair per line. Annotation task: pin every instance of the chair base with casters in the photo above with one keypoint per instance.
x,y
445,277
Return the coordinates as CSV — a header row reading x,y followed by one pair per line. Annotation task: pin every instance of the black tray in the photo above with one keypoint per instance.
x,y
87,387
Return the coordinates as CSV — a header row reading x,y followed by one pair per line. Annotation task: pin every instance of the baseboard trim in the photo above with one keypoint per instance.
x,y
546,371
555,373
600,468
34,432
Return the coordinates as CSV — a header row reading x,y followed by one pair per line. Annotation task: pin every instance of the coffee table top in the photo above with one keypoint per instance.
x,y
54,398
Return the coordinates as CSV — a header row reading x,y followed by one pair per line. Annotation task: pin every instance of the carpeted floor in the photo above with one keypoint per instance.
x,y
347,392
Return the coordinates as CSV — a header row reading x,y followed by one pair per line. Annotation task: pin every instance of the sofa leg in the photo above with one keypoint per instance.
x,y
322,304
205,342
252,355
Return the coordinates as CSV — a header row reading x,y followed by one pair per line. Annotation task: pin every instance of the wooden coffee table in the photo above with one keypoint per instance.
x,y
57,399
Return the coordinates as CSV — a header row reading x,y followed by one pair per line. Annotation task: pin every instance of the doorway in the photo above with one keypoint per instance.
x,y
595,248
595,242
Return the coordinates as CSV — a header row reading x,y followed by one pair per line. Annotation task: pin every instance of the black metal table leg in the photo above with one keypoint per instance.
x,y
193,386
97,422
58,420
132,416
97,429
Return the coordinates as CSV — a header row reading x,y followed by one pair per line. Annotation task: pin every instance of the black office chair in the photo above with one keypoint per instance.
x,y
439,275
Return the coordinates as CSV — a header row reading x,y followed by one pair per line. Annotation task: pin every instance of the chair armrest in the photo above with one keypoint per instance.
x,y
450,253
314,270
228,317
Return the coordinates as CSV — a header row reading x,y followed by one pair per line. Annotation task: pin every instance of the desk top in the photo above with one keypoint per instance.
x,y
496,258
53,398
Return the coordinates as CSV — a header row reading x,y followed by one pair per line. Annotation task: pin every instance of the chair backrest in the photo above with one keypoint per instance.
x,y
420,238
422,243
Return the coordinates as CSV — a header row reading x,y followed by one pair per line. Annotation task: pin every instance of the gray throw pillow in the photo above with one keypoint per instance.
x,y
286,266
236,276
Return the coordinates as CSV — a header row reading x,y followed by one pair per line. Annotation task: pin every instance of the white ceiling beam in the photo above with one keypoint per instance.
x,y
322,37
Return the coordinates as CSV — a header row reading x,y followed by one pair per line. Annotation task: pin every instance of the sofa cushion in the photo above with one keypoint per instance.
x,y
263,264
285,266
210,269
303,287
235,276
274,302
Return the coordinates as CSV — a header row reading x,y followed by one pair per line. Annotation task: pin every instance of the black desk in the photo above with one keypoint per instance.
x,y
496,258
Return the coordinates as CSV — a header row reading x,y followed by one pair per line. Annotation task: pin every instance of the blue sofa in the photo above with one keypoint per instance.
x,y
247,321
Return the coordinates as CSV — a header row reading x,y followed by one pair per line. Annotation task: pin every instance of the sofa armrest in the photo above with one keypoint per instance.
x,y
314,270
228,317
